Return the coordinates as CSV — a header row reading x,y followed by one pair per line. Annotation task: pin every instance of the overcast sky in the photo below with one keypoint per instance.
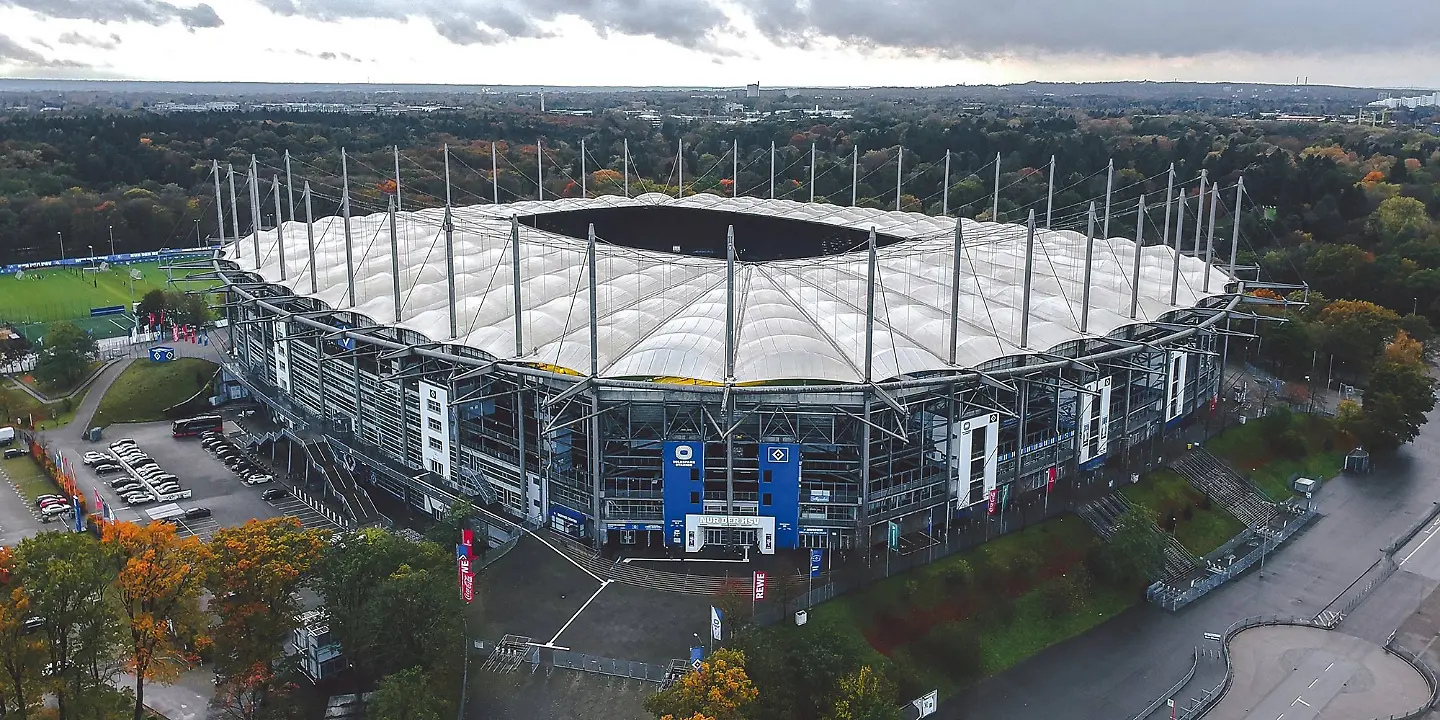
x,y
725,42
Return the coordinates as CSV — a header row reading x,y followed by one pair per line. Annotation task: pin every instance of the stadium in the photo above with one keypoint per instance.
x,y
720,371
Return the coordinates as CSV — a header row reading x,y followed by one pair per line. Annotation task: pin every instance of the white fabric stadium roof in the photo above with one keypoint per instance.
x,y
663,316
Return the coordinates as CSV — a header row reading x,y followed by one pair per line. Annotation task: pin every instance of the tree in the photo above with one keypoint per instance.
x,y
446,531
160,578
1400,394
153,301
866,695
254,572
1357,329
1398,217
719,689
67,353
65,577
407,695
796,670
1135,550
22,652
392,603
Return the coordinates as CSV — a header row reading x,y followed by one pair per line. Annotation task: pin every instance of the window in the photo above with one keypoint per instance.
x,y
766,477
694,474
435,444
695,498
433,406
765,499
433,424
437,467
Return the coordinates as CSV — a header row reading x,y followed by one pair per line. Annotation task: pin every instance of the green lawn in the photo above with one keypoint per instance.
x,y
146,389
58,391
913,623
1166,493
27,475
1250,453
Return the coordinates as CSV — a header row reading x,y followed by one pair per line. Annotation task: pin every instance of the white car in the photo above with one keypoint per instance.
x,y
92,458
138,499
258,479
53,510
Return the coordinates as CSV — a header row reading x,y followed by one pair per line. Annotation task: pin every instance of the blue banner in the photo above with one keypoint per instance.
x,y
780,490
118,259
682,473
816,555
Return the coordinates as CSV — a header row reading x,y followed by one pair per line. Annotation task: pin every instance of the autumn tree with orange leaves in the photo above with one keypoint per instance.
x,y
720,689
254,571
21,652
158,585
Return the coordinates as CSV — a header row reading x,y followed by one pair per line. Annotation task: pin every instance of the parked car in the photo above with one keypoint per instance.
x,y
138,499
13,453
258,479
107,469
273,493
56,509
196,513
41,499
92,458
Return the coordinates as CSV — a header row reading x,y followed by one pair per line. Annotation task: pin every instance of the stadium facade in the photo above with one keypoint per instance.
x,y
700,371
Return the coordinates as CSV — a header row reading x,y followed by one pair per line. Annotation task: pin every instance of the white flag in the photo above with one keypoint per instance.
x,y
715,622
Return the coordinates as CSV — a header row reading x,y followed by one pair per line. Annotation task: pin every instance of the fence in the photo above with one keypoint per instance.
x,y
1424,669
1213,694
1157,702
1173,599
649,672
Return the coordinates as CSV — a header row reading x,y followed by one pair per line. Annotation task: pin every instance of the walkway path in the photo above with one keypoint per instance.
x,y
98,387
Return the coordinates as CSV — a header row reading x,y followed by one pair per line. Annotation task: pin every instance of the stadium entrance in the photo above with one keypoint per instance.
x,y
756,531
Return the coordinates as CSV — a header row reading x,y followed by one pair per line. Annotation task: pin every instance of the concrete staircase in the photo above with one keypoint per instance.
x,y
352,497
1212,476
1103,515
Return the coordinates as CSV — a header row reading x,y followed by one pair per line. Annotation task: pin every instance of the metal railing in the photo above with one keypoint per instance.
x,y
649,672
1424,669
1173,599
1157,702
1213,694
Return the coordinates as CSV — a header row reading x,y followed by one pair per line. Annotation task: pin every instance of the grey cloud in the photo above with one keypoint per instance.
x,y
1137,28
41,43
13,53
103,43
688,23
149,12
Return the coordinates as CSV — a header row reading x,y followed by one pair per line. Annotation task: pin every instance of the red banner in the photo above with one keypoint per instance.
x,y
467,581
994,500
759,585
1050,480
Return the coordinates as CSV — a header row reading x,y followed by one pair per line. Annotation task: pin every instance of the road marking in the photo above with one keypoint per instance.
x,y
1327,667
1301,700
1312,683
567,557
598,590
1430,535
712,560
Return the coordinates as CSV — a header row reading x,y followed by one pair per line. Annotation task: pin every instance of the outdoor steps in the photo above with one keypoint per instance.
x,y
352,497
1104,513
1209,475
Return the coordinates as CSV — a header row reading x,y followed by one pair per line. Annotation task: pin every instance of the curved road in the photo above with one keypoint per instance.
x,y
1116,669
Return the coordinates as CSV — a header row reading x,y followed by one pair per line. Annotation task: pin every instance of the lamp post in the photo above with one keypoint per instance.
x,y
111,229
61,236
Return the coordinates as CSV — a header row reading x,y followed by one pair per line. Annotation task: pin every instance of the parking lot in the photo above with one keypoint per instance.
x,y
213,485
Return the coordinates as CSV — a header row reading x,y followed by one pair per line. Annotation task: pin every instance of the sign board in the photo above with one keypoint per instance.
x,y
928,703
816,555
759,585
715,625
893,529
162,353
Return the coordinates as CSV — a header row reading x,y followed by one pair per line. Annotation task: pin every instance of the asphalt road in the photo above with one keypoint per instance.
x,y
1116,669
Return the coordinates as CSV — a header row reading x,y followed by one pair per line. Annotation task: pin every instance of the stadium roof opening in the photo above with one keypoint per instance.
x,y
695,231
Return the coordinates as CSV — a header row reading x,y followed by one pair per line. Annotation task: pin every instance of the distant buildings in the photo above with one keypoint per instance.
x,y
303,107
1412,102
752,90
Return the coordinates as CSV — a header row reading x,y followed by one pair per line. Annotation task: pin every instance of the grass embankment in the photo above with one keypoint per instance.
x,y
1315,450
17,403
146,389
1184,511
27,475
51,390
979,612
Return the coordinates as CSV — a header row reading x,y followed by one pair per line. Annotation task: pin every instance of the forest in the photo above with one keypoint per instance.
x,y
1349,209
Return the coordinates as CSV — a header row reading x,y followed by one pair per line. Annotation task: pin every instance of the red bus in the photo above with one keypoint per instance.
x,y
191,427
